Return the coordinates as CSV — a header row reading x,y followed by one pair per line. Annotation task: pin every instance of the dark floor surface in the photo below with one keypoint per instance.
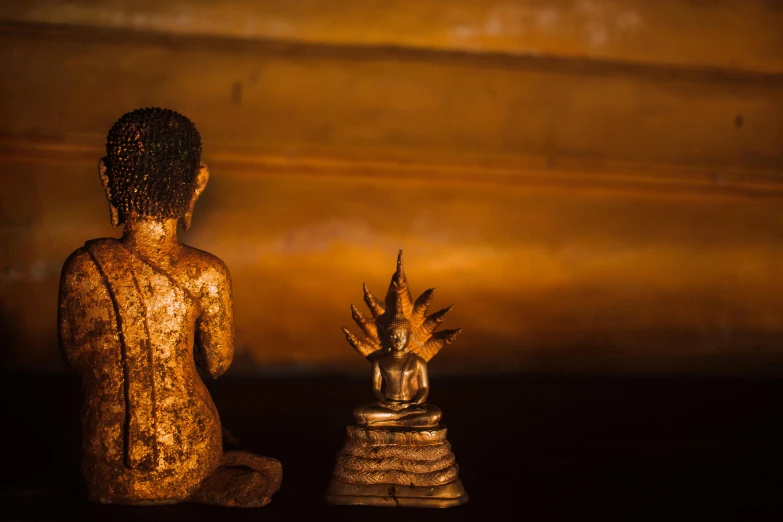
x,y
529,447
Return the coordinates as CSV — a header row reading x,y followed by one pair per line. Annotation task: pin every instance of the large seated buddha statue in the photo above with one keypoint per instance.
x,y
397,453
139,317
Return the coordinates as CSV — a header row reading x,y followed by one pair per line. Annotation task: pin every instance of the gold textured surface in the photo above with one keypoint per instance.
x,y
399,440
139,318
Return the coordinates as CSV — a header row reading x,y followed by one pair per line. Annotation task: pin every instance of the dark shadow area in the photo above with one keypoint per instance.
x,y
531,446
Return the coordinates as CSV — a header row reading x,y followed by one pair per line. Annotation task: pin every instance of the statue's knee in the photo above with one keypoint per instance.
x,y
358,414
365,413
435,414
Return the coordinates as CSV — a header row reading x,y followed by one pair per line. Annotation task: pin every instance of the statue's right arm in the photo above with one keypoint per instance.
x,y
215,325
424,382
377,382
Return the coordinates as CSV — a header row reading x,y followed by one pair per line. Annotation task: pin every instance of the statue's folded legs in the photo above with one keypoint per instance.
x,y
378,414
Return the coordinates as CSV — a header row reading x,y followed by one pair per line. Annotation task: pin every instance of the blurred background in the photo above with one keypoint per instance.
x,y
596,184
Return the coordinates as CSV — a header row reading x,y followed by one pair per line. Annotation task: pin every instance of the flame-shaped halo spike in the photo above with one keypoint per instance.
x,y
399,287
438,341
398,309
368,326
376,307
421,306
364,348
434,320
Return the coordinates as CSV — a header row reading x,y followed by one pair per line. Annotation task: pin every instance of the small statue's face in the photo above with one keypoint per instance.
x,y
398,338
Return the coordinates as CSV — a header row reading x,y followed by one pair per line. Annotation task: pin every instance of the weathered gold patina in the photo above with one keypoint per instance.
x,y
139,316
398,455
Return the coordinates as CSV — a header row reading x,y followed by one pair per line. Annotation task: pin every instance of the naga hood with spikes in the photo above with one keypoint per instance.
x,y
398,304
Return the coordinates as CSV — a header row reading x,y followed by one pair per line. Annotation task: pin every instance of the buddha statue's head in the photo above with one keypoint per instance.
x,y
399,333
152,169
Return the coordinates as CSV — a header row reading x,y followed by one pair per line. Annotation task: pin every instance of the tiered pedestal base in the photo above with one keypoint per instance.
x,y
396,467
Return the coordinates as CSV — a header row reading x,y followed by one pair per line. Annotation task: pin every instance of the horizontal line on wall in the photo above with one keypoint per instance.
x,y
530,172
304,49
713,365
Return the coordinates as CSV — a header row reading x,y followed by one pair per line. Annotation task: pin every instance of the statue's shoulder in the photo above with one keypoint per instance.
x,y
417,360
208,267
76,262
81,259
101,242
80,272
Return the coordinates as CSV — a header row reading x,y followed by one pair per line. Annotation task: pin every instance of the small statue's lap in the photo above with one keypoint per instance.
x,y
415,415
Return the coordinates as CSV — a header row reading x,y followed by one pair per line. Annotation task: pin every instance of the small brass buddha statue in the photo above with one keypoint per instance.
x,y
138,316
400,384
397,453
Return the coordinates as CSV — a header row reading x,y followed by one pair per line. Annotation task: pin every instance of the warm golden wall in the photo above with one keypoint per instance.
x,y
592,182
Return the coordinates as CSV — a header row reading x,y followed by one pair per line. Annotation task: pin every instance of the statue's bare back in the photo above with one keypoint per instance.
x,y
138,315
